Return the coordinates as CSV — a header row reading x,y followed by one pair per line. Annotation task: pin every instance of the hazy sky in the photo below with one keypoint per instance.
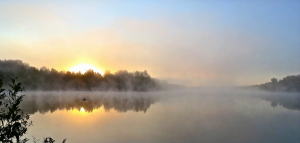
x,y
195,43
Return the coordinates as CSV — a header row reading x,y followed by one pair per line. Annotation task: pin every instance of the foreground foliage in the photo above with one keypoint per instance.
x,y
14,122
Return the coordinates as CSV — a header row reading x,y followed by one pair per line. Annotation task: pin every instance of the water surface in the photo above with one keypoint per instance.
x,y
210,116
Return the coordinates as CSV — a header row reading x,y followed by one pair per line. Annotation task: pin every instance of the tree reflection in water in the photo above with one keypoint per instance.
x,y
121,102
289,101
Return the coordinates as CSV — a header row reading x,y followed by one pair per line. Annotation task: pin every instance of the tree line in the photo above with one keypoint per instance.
x,y
287,84
51,79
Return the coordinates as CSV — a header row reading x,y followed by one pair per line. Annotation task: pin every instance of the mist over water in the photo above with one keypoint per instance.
x,y
206,115
194,71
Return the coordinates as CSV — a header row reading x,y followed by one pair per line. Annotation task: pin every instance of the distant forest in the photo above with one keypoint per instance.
x,y
53,80
287,84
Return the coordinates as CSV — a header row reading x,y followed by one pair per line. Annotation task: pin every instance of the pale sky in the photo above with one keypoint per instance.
x,y
193,43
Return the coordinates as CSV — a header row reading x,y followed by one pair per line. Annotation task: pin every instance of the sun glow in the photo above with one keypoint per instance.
x,y
84,67
82,109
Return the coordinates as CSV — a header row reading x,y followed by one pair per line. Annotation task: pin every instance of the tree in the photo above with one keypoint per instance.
x,y
44,79
274,80
14,122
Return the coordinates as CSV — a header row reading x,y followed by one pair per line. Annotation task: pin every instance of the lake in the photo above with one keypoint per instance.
x,y
189,116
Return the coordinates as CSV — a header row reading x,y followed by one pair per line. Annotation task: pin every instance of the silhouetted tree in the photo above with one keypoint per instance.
x,y
288,84
45,79
274,80
14,122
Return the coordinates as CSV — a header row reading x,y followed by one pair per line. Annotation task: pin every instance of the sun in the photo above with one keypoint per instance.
x,y
82,109
84,67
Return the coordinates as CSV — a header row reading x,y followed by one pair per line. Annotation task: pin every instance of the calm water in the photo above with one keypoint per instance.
x,y
207,116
